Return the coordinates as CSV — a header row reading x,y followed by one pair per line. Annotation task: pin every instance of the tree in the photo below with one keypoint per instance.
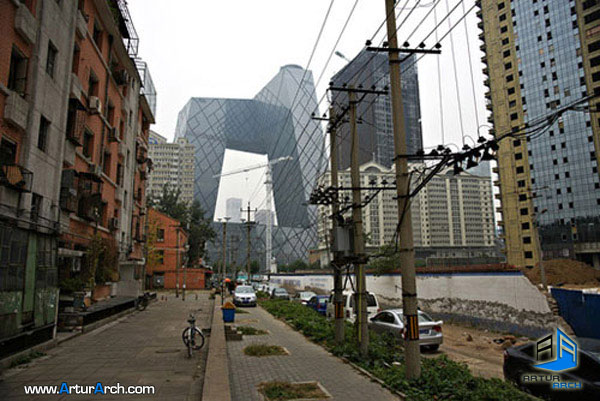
x,y
387,262
254,267
200,231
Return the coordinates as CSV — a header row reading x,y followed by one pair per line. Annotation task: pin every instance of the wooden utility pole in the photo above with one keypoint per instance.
x,y
338,300
405,237
359,246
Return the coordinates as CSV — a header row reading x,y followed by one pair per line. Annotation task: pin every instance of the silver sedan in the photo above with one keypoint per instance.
x,y
391,321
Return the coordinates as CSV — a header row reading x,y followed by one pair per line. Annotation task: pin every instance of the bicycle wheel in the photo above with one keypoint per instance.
x,y
197,341
142,303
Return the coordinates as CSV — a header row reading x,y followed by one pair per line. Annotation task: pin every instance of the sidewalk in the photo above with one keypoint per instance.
x,y
143,348
306,362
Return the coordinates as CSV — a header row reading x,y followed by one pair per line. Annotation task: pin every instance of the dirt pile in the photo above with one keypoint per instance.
x,y
565,271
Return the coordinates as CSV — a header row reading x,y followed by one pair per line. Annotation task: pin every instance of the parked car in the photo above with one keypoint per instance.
x,y
392,321
303,297
244,295
519,361
318,303
348,299
280,293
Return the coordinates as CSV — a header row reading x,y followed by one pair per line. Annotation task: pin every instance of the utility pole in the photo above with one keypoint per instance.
x,y
538,241
223,265
406,250
269,227
335,209
359,245
248,227
358,257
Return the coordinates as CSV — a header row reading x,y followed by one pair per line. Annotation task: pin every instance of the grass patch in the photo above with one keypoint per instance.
x,y
264,350
22,360
262,295
250,331
441,378
282,391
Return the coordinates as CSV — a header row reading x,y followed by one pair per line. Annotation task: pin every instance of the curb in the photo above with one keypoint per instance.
x,y
216,377
362,371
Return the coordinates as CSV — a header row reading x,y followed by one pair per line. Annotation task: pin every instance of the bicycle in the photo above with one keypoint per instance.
x,y
189,336
142,301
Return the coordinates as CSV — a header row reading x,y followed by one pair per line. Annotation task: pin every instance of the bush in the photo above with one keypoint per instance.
x,y
441,378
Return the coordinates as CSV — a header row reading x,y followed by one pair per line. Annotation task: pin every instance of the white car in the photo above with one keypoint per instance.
x,y
303,297
244,295
392,321
372,306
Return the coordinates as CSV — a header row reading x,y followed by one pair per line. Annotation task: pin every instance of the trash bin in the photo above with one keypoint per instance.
x,y
228,312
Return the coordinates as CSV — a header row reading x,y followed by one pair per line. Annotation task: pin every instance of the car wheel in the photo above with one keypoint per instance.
x,y
434,347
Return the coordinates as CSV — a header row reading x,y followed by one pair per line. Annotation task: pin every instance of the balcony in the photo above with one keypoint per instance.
x,y
16,110
68,200
26,24
16,177
89,207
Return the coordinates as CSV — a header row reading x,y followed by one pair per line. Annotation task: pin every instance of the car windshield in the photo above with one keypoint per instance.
x,y
424,318
322,300
371,301
244,290
306,295
280,291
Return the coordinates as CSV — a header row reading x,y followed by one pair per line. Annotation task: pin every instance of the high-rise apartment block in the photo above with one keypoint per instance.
x,y
541,56
375,125
452,216
173,164
76,105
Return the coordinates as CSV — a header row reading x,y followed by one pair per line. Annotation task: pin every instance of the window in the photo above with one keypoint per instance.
x,y
160,235
522,197
36,206
88,144
106,163
8,152
527,240
97,35
17,74
528,254
92,84
525,226
524,211
42,143
51,59
160,257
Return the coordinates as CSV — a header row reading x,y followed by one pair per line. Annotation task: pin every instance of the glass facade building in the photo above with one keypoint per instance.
x,y
276,122
376,130
539,56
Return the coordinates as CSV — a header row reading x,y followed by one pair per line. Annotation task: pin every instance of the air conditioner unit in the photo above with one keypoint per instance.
x,y
95,105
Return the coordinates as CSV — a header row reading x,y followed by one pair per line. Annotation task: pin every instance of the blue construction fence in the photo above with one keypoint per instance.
x,y
581,310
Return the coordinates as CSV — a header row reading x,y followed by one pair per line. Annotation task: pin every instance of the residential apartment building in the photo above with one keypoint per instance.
x,y
452,216
541,56
172,163
375,125
167,258
73,133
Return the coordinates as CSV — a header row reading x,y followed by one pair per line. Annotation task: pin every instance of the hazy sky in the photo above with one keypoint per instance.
x,y
208,48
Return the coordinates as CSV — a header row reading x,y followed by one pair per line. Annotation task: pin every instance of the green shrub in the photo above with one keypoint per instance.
x,y
441,378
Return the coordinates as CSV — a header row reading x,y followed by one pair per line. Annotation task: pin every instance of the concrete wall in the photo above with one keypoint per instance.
x,y
502,301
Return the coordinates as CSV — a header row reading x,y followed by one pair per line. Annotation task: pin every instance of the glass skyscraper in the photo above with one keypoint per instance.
x,y
277,122
375,128
542,55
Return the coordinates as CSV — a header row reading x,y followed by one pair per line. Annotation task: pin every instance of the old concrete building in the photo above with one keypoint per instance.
x,y
172,163
452,217
75,112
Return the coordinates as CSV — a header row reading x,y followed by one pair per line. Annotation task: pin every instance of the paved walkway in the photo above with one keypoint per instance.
x,y
306,362
142,348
